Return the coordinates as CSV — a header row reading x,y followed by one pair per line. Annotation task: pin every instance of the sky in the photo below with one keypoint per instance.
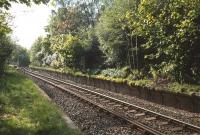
x,y
29,23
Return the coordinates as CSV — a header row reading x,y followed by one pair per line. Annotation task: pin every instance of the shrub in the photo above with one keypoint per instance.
x,y
135,75
115,73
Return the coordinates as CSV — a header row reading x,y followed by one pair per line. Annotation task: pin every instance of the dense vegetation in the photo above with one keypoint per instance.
x,y
19,56
151,38
7,45
5,42
24,111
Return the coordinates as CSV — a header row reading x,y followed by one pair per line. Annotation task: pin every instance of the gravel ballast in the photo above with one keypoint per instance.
x,y
91,120
193,118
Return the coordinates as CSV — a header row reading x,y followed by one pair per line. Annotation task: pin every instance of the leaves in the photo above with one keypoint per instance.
x,y
6,4
158,37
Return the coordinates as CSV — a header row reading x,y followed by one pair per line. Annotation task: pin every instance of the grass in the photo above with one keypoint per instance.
x,y
23,110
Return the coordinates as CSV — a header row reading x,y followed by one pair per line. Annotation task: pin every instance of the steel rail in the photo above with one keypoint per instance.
x,y
170,119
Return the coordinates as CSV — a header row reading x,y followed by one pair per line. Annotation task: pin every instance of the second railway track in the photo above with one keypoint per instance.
x,y
147,120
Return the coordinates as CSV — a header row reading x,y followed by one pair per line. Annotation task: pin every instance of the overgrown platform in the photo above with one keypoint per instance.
x,y
182,101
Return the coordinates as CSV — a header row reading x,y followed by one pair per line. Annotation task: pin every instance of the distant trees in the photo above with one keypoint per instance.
x,y
36,53
70,38
19,56
73,16
158,38
6,43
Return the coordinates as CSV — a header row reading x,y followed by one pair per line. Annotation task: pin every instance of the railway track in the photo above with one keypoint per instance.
x,y
144,119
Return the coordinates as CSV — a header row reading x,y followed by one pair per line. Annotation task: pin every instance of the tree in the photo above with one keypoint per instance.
x,y
71,18
24,59
6,44
74,20
171,29
7,3
93,54
154,36
6,47
36,52
112,35
69,48
19,56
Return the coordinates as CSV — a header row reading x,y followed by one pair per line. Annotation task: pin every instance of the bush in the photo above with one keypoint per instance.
x,y
115,73
135,75
94,71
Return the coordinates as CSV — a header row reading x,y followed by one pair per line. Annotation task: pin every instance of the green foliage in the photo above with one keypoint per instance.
x,y
4,22
36,53
25,112
156,39
72,35
73,16
24,60
6,47
7,3
115,73
19,56
136,75
118,40
69,48
171,33
112,37
141,83
6,44
138,82
93,57
183,88
41,53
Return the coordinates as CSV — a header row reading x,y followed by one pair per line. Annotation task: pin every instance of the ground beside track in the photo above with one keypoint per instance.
x,y
24,111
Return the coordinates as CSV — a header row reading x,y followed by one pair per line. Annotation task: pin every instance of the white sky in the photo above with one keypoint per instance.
x,y
29,22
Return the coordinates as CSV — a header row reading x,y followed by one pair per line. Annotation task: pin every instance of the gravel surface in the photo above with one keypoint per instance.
x,y
91,120
193,118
